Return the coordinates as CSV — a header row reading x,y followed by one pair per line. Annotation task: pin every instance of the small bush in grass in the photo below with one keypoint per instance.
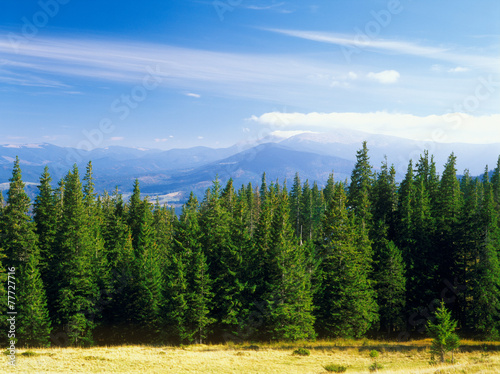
x,y
374,354
252,347
302,352
29,354
336,368
375,366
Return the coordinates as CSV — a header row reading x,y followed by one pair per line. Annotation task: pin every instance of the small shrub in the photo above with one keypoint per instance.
x,y
375,366
91,358
302,352
335,368
374,354
29,354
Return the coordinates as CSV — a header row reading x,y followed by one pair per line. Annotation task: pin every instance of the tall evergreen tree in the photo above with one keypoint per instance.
x,y
149,282
17,230
296,206
448,210
21,245
289,295
360,187
33,322
45,217
485,278
346,299
78,286
224,259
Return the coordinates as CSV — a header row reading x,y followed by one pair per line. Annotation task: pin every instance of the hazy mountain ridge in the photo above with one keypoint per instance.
x,y
314,156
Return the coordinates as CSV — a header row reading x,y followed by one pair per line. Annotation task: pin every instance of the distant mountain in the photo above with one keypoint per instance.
x,y
399,151
276,161
173,173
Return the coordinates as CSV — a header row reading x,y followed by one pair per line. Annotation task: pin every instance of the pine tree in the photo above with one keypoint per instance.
x,y
442,332
135,213
18,238
360,187
121,260
448,210
307,213
33,322
296,206
289,295
99,260
188,292
45,217
224,259
78,290
21,245
484,311
346,299
391,287
148,299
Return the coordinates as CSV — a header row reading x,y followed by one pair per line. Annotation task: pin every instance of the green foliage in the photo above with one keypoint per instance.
x,y
335,368
346,299
257,263
442,332
375,366
301,352
374,353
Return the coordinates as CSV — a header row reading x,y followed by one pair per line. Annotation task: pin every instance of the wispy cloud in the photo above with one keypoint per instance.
x,y
391,46
472,129
458,69
116,138
385,77
190,94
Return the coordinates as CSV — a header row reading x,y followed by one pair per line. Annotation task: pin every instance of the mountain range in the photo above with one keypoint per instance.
x,y
172,174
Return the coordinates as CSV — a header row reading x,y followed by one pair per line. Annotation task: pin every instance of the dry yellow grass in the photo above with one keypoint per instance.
x,y
409,357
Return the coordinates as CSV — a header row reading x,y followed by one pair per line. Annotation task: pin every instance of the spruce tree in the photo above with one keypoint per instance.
x,y
359,194
391,288
45,214
224,259
296,206
148,297
33,322
484,281
18,238
447,234
346,299
78,291
288,295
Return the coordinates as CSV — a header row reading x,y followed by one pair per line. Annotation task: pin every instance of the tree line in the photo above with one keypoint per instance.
x,y
257,263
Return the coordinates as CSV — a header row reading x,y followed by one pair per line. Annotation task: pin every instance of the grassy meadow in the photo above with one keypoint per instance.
x,y
395,357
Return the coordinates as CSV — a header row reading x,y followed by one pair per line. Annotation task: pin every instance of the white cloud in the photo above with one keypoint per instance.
x,y
352,75
190,94
385,77
392,46
458,69
200,137
158,140
116,138
447,128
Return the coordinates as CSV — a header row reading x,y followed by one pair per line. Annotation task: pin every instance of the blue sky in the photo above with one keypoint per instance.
x,y
169,74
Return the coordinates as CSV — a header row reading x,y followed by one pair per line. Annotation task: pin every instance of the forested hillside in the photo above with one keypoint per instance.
x,y
277,261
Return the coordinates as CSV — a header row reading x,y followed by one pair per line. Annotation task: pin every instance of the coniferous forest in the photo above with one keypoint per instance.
x,y
278,261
